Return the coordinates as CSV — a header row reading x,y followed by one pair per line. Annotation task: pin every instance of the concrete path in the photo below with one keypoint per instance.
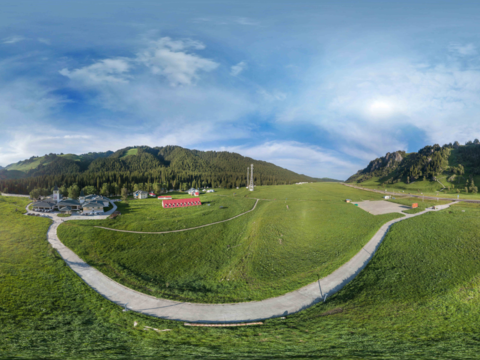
x,y
219,313
16,195
175,231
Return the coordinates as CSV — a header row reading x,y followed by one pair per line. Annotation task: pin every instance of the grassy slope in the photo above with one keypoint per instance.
x,y
149,215
418,298
422,204
265,253
130,152
24,166
429,187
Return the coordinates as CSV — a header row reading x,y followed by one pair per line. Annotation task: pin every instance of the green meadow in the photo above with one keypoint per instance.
x,y
422,203
427,188
419,298
149,215
294,236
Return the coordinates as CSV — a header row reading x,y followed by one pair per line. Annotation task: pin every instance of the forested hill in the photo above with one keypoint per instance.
x,y
171,166
452,166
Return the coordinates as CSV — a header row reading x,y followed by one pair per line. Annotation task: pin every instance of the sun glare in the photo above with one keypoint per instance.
x,y
380,109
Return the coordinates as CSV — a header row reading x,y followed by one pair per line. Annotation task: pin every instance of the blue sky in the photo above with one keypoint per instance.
x,y
318,87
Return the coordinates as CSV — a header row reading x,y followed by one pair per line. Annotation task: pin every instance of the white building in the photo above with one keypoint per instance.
x,y
140,194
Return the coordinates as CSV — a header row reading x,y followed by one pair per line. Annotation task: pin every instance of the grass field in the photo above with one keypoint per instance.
x,y
427,187
417,299
279,247
130,152
422,204
149,215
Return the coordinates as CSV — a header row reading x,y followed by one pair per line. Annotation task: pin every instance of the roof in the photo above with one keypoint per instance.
x,y
65,208
82,194
43,204
141,191
180,201
55,188
93,204
69,202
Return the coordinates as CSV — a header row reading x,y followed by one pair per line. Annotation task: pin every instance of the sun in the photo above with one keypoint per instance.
x,y
381,108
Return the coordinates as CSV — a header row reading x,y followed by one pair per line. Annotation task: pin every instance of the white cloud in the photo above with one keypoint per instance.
x,y
376,108
166,57
13,39
300,158
246,21
44,41
103,71
173,60
237,69
463,49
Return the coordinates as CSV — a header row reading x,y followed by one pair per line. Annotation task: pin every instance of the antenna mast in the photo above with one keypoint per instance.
x,y
251,185
248,168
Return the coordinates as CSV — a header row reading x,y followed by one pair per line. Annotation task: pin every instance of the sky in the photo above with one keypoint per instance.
x,y
317,87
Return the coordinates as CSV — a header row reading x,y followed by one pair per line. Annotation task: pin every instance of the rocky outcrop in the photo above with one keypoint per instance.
x,y
388,161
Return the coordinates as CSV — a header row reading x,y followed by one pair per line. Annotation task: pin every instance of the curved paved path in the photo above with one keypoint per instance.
x,y
221,313
175,231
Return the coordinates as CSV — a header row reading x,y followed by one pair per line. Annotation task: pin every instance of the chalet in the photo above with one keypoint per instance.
x,y
70,203
88,203
169,204
140,194
45,204
93,206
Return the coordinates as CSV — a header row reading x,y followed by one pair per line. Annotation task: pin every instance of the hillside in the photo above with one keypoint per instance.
x,y
170,166
451,169
326,179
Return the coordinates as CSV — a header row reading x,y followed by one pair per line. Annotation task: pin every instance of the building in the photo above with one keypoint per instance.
x,y
151,193
210,191
140,194
386,197
348,200
93,207
192,191
87,203
168,204
196,193
164,198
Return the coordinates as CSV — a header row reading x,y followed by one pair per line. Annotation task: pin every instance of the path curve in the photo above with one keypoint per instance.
x,y
221,313
175,231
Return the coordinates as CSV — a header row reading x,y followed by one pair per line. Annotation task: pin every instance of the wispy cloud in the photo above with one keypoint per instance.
x,y
173,60
237,69
44,41
299,157
463,49
103,71
13,39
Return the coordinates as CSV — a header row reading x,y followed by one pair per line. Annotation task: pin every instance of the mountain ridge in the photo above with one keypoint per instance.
x,y
170,164
449,168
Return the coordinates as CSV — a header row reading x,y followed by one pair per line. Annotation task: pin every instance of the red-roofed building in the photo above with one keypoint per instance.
x,y
151,193
164,198
169,204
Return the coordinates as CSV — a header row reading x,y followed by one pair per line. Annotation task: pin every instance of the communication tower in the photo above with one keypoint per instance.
x,y
248,176
251,185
